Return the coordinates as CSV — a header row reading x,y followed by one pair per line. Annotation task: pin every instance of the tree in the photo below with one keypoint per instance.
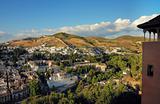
x,y
34,88
135,64
94,80
70,97
80,87
117,62
63,101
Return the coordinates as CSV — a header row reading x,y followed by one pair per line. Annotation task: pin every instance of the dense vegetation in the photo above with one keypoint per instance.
x,y
107,94
98,87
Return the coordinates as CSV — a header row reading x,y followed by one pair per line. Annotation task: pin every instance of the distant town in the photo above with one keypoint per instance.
x,y
28,72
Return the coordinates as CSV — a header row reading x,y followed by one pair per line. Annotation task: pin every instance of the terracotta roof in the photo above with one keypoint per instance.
x,y
155,22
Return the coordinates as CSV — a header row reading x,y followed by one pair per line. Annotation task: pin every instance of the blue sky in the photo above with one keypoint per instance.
x,y
20,18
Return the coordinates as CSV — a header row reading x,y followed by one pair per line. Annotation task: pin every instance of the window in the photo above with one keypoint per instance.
x,y
150,70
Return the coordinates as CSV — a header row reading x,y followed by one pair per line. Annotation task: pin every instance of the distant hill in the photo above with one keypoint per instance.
x,y
63,39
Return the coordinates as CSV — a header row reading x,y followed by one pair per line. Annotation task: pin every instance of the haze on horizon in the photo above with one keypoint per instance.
x,y
28,18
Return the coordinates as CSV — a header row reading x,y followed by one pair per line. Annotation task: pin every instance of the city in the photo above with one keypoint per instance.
x,y
42,69
79,52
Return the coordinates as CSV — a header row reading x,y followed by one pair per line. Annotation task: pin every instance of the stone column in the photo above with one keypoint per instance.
x,y
154,36
149,36
158,35
144,31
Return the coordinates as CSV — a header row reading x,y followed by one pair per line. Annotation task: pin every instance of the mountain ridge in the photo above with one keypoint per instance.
x,y
64,39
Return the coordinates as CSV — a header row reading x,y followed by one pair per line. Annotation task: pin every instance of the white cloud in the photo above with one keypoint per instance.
x,y
85,28
2,33
89,29
28,33
121,24
107,29
4,36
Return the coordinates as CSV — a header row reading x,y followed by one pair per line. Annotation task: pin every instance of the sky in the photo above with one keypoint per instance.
x,y
106,18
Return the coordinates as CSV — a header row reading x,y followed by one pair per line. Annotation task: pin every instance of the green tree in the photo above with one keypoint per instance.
x,y
79,87
34,88
117,62
70,97
135,64
63,101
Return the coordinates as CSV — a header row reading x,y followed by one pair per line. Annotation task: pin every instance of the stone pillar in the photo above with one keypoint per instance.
x,y
144,31
149,36
154,36
158,35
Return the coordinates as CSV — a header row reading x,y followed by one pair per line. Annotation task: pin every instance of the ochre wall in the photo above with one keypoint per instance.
x,y
151,85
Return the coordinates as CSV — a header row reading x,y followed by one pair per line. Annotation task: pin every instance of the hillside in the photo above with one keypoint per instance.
x,y
64,39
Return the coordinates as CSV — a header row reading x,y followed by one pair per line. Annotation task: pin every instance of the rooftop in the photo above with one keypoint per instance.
x,y
151,26
153,23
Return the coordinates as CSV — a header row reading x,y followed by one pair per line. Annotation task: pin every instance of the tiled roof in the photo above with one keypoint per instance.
x,y
155,22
